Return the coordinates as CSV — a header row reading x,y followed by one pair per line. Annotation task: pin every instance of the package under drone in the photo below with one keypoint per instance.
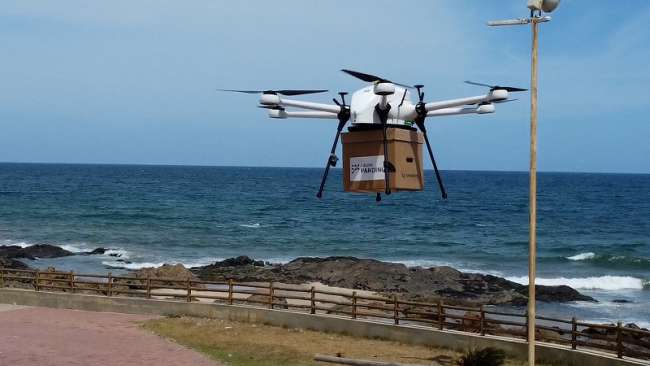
x,y
363,160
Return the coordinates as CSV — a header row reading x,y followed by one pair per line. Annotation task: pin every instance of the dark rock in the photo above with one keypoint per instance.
x,y
14,251
621,301
12,263
560,293
47,251
238,262
168,271
97,251
599,330
632,326
417,283
34,251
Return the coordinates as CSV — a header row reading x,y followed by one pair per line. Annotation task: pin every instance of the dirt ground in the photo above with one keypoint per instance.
x,y
44,337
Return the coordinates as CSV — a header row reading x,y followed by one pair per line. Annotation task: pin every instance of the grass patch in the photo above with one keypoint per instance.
x,y
248,344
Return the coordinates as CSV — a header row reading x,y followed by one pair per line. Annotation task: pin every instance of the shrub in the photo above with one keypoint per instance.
x,y
489,356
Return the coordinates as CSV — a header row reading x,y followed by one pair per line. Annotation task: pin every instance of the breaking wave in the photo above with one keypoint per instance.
x,y
608,283
582,256
609,260
119,253
9,243
140,265
74,248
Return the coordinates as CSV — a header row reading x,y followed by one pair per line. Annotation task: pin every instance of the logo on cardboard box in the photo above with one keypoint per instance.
x,y
367,168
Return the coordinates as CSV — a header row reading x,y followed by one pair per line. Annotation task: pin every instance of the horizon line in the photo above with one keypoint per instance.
x,y
305,167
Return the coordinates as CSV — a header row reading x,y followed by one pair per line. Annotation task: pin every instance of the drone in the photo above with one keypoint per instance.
x,y
381,106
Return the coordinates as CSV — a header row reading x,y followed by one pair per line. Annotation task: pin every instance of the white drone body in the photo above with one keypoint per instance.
x,y
382,104
402,109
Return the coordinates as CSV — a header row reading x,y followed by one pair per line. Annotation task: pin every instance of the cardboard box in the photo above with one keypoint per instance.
x,y
363,160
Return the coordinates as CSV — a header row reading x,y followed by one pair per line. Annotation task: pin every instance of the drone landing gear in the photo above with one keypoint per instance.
x,y
422,128
344,117
419,121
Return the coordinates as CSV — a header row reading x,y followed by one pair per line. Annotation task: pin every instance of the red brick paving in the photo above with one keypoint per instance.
x,y
43,337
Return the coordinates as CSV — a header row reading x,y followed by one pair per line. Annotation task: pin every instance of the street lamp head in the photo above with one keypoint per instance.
x,y
549,5
546,6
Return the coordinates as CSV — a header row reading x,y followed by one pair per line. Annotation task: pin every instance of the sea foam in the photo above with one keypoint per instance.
x,y
9,243
582,256
119,253
74,248
251,226
140,265
608,283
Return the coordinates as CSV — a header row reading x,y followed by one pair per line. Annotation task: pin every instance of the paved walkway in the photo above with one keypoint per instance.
x,y
43,337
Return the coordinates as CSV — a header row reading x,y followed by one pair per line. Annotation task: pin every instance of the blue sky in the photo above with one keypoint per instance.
x,y
128,81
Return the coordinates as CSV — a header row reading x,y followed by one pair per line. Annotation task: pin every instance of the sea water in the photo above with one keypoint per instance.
x,y
593,229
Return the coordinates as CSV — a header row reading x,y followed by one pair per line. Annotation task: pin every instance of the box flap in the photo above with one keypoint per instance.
x,y
392,134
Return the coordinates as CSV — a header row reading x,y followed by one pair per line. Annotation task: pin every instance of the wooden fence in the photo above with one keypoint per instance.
x,y
617,339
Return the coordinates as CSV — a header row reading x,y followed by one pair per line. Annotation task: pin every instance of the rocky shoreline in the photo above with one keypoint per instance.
x,y
414,283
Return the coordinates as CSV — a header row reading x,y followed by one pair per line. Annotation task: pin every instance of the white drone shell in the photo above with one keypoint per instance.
x,y
362,106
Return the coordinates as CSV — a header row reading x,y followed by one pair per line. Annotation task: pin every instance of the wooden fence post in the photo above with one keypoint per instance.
x,y
313,300
396,309
354,304
109,285
189,289
72,281
271,295
2,277
482,325
526,315
37,274
230,289
441,315
619,340
148,286
574,333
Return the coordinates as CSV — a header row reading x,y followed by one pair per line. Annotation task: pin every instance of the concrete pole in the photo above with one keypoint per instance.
x,y
532,239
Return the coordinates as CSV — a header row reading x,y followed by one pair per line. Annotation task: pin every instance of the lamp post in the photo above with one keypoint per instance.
x,y
536,8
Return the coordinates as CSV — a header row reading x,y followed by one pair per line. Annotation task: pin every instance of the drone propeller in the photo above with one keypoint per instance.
x,y
287,92
504,101
497,87
495,102
273,107
371,78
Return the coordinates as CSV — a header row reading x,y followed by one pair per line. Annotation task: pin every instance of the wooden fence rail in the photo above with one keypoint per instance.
x,y
617,339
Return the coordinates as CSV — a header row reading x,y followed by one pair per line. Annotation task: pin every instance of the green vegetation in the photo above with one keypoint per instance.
x,y
248,344
483,357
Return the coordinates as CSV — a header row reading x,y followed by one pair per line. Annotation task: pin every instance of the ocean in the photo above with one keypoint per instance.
x,y
593,229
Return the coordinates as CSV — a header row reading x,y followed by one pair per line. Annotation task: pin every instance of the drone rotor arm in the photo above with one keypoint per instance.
x,y
310,114
321,107
432,106
455,111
